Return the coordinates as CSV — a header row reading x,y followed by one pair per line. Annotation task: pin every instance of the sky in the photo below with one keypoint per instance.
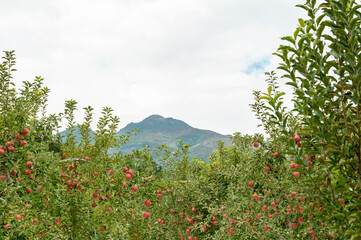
x,y
198,61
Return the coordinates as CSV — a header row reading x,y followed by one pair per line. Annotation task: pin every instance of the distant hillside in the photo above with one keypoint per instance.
x,y
156,130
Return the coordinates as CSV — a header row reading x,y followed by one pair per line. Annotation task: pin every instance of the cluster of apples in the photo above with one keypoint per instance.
x,y
10,145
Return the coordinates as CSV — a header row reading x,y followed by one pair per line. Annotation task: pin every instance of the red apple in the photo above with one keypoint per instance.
x,y
7,227
25,132
27,172
297,138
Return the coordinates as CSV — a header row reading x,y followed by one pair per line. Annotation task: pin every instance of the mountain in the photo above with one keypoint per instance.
x,y
156,130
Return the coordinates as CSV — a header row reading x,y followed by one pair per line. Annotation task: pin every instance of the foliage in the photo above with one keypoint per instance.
x,y
302,182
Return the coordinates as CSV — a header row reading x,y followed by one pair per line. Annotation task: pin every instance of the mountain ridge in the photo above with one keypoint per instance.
x,y
156,130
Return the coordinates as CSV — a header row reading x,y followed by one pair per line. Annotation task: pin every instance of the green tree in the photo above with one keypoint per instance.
x,y
322,64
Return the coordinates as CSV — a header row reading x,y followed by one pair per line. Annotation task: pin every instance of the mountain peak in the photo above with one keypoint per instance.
x,y
154,117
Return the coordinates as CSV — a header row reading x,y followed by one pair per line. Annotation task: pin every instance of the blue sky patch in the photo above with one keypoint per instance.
x,y
258,66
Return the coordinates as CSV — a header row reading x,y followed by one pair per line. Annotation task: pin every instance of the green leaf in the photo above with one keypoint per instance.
x,y
289,38
302,22
295,34
350,232
341,180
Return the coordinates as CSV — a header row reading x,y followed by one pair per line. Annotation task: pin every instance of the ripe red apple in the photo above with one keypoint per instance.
x,y
23,143
7,227
250,184
10,143
3,177
264,208
146,215
256,144
292,165
86,158
276,154
135,187
265,228
297,138
128,176
28,190
11,149
296,174
18,217
2,152
300,220
267,169
17,137
110,172
130,171
27,172
125,169
342,201
147,203
64,155
25,132
29,164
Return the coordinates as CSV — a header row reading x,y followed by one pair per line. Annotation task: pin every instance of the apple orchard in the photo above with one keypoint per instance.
x,y
301,182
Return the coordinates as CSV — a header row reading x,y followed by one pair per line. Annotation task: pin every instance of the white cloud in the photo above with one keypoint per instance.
x,y
182,59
